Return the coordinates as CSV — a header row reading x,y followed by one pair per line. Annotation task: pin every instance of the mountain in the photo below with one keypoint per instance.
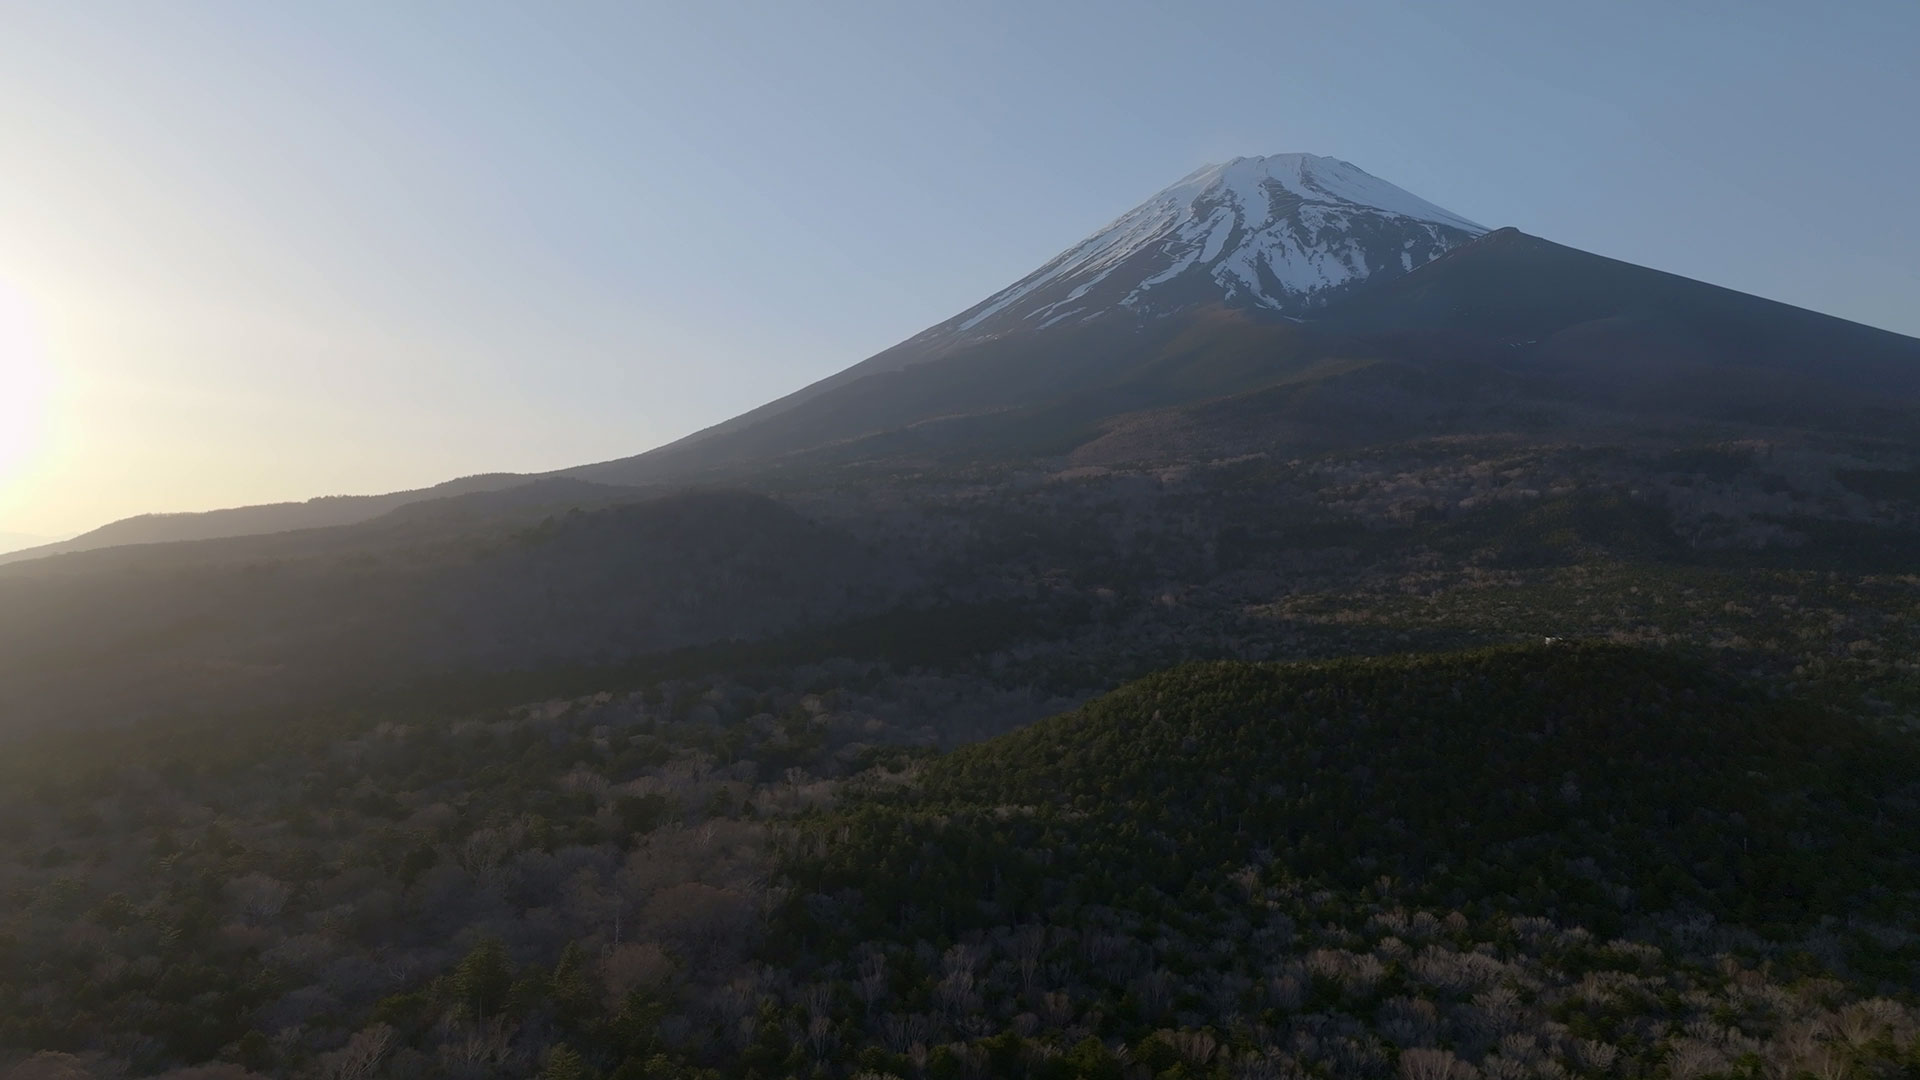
x,y
942,482
1373,313
1266,238
750,771
1270,238
1284,302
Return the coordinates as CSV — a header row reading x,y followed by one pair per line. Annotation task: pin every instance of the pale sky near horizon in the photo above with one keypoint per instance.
x,y
255,252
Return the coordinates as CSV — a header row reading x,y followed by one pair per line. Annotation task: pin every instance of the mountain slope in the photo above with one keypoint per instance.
x,y
1508,332
1642,338
1160,311
1274,237
1513,333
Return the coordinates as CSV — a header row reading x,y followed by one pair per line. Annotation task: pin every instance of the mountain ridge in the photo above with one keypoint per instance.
x,y
321,511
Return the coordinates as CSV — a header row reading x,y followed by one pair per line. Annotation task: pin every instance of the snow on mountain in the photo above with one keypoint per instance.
x,y
1285,234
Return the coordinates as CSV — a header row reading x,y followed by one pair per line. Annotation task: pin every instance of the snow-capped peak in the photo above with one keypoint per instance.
x,y
1316,179
1284,233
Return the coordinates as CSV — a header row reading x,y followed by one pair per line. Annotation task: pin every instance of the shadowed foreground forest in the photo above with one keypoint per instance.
x,y
1544,861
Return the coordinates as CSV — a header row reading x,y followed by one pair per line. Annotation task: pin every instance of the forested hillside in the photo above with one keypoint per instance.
x,y
1528,862
1543,861
1590,783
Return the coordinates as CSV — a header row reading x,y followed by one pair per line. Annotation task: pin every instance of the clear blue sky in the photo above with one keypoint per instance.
x,y
255,251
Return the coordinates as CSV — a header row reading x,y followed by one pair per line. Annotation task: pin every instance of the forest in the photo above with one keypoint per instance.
x,y
1561,859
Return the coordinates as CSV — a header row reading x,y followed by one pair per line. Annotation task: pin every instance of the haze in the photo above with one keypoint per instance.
x,y
258,252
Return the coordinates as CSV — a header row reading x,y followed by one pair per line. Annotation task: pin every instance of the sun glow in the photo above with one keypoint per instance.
x,y
26,387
